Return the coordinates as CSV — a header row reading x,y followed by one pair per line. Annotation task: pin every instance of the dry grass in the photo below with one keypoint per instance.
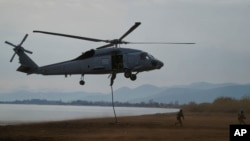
x,y
221,104
197,127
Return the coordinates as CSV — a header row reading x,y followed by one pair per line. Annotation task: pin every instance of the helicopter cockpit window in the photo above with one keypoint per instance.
x,y
152,57
145,56
86,54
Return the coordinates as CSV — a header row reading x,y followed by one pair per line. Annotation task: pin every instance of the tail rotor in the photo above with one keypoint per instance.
x,y
18,48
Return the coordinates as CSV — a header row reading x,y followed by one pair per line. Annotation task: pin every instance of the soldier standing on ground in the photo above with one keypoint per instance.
x,y
178,117
241,117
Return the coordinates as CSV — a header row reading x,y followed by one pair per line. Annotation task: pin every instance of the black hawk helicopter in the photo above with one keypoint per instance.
x,y
107,59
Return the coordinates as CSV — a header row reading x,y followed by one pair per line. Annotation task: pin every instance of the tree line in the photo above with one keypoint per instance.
x,y
221,104
150,103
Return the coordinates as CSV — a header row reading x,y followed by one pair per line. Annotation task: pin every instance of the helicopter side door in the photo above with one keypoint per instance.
x,y
117,62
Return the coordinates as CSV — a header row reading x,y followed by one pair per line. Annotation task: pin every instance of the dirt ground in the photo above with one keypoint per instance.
x,y
197,127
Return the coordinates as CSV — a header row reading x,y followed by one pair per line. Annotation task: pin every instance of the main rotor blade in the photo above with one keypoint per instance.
x,y
12,57
10,44
155,43
30,52
23,40
71,36
105,46
130,30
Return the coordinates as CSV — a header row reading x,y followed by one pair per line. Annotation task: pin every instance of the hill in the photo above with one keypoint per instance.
x,y
196,92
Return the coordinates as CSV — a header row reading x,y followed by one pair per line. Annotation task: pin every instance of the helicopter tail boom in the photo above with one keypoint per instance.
x,y
27,64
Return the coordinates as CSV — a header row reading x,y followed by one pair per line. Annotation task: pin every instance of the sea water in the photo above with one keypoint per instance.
x,y
20,113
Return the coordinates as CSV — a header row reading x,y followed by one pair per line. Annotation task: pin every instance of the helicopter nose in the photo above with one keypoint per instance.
x,y
160,64
157,64
154,63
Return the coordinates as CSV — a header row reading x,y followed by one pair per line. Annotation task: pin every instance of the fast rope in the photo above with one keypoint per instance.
x,y
113,103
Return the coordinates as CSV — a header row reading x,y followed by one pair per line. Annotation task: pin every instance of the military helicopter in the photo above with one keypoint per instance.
x,y
107,59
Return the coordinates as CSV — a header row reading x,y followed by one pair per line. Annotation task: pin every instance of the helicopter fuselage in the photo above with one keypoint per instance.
x,y
104,61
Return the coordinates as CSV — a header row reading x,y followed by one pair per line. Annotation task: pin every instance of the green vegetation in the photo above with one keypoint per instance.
x,y
221,104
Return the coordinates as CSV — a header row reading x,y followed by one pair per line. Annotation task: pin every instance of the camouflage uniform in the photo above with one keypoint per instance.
x,y
178,117
241,117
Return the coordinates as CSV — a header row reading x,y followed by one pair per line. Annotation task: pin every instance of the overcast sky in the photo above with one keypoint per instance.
x,y
220,29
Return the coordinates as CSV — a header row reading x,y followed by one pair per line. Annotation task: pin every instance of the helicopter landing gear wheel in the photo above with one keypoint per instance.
x,y
82,82
133,77
127,73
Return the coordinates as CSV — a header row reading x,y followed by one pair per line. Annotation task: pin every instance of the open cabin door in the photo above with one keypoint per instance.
x,y
117,62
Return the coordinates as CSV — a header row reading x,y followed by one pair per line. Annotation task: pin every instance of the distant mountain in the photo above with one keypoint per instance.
x,y
195,92
204,85
130,95
186,95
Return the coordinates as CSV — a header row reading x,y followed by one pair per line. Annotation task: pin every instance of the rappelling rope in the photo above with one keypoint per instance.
x,y
113,103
